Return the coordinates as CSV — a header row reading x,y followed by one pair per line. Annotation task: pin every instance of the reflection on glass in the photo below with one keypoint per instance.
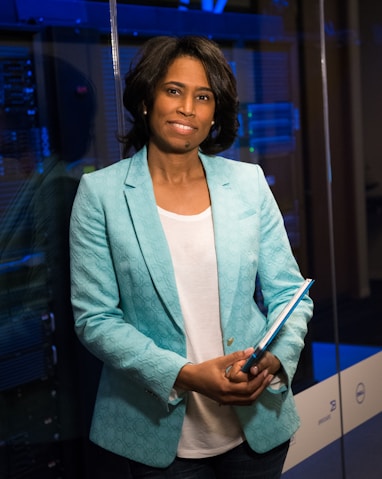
x,y
47,115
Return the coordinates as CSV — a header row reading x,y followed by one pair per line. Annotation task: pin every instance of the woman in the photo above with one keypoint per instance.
x,y
166,248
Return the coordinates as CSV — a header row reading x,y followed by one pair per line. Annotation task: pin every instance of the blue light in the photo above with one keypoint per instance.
x,y
220,5
183,5
208,6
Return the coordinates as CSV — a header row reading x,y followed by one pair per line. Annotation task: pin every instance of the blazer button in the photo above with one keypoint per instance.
x,y
230,341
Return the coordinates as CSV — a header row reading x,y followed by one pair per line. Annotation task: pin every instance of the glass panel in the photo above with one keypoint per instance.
x,y
52,131
355,74
283,95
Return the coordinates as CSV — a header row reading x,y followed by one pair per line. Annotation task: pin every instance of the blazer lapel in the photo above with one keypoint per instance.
x,y
152,240
225,213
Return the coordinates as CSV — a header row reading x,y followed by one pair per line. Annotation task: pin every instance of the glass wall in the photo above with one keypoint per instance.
x,y
308,76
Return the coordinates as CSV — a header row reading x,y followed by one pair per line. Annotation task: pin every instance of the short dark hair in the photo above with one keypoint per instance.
x,y
151,65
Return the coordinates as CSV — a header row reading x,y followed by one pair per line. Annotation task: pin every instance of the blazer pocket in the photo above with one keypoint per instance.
x,y
247,214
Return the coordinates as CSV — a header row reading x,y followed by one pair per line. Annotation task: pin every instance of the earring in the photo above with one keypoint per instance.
x,y
213,122
145,112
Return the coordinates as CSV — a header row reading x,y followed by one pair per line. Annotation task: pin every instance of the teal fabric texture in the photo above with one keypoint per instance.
x,y
127,310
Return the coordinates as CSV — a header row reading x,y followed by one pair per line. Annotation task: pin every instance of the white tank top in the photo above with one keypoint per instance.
x,y
208,429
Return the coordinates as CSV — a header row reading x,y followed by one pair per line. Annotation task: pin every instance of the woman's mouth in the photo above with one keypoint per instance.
x,y
181,127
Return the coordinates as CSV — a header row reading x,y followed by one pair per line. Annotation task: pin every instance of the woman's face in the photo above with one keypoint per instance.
x,y
183,107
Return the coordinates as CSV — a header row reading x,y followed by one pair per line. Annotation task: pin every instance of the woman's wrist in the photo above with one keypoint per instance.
x,y
184,379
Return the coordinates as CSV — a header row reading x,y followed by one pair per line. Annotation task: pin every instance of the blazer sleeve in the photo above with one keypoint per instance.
x,y
100,323
280,277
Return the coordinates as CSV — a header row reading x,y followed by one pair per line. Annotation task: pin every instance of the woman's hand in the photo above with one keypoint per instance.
x,y
222,380
268,362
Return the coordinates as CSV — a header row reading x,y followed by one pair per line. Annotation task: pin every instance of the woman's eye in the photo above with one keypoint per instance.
x,y
172,91
204,97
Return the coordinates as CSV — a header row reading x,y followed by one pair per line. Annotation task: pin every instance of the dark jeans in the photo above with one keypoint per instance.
x,y
239,463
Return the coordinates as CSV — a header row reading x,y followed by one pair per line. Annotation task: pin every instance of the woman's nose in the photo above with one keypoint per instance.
x,y
187,106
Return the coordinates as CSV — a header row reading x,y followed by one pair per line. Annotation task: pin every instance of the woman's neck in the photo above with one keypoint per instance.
x,y
179,183
175,168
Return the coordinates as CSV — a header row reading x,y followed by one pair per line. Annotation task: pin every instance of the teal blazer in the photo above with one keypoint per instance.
x,y
127,310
